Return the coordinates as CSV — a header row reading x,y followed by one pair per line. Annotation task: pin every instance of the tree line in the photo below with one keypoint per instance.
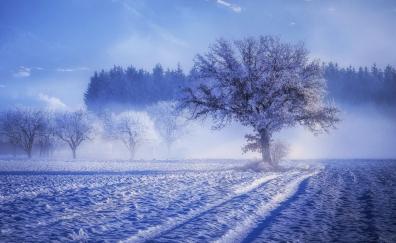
x,y
27,128
131,87
361,85
45,131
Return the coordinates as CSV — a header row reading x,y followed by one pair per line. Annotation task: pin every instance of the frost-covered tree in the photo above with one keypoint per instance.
x,y
22,127
131,128
73,128
262,83
168,121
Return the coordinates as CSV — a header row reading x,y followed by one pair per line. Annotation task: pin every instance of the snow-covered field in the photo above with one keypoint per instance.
x,y
196,201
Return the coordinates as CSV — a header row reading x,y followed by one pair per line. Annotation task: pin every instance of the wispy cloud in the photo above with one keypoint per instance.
x,y
233,7
25,72
22,72
2,86
130,9
72,69
158,42
154,27
166,35
52,103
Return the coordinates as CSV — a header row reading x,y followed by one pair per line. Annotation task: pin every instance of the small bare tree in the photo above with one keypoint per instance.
x,y
22,127
73,128
279,151
130,128
169,122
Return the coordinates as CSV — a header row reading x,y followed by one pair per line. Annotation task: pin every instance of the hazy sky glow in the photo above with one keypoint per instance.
x,y
49,49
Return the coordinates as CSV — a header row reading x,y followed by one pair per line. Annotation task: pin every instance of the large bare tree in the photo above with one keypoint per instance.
x,y
261,83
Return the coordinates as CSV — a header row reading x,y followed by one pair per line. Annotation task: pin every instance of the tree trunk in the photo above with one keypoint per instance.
x,y
14,150
168,149
74,153
265,138
29,153
131,153
131,146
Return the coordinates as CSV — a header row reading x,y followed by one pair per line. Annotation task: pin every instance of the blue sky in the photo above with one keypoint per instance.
x,y
49,49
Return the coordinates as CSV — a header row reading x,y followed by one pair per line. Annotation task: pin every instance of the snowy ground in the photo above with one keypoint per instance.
x,y
100,166
200,201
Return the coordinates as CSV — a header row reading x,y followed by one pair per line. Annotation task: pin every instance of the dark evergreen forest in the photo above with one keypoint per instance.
x,y
131,87
361,85
120,88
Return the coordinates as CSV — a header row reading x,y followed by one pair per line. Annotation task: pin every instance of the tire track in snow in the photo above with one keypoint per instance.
x,y
218,220
273,214
84,214
249,225
174,222
116,210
